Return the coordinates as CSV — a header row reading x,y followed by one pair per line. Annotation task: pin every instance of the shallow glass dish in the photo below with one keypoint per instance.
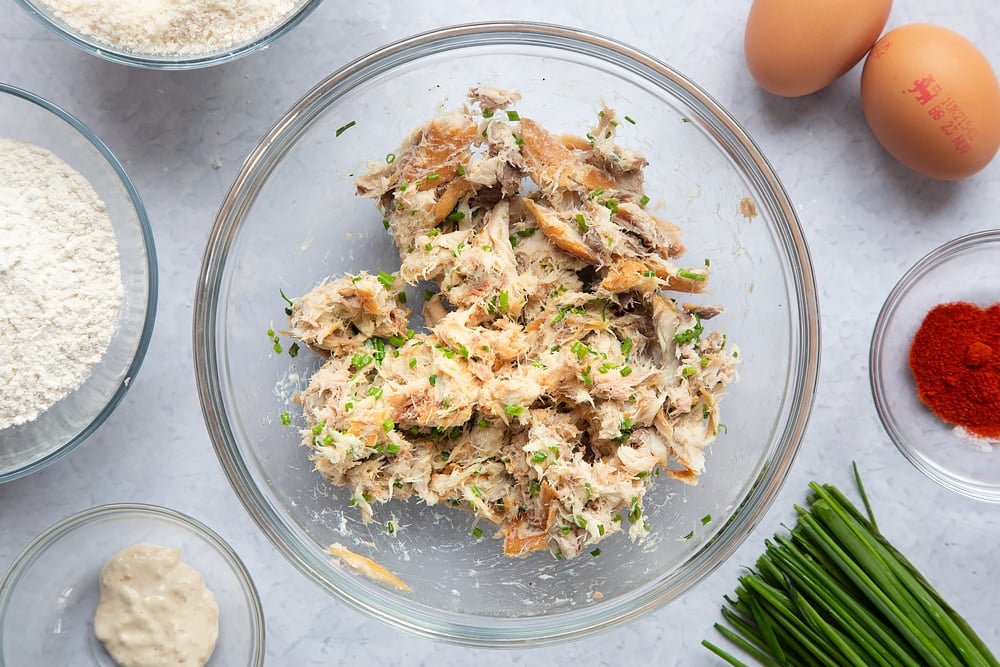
x,y
50,593
965,269
94,46
28,447
292,218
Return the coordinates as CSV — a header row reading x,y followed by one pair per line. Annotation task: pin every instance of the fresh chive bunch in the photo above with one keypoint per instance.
x,y
835,592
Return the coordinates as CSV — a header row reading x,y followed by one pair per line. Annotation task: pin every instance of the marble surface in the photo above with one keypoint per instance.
x,y
182,137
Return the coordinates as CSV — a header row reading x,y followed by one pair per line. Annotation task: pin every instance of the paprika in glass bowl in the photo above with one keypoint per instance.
x,y
935,365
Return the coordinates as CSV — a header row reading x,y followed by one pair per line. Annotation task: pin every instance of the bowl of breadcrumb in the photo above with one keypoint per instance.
x,y
78,279
506,334
181,34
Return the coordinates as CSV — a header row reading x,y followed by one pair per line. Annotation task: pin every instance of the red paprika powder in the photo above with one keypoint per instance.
x,y
955,359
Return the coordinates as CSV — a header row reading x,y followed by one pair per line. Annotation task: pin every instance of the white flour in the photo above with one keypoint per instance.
x,y
172,27
60,280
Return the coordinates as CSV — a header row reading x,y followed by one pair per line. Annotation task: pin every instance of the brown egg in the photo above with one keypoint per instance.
x,y
796,47
932,100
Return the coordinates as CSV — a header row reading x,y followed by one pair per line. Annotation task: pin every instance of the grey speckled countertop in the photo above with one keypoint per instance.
x,y
182,137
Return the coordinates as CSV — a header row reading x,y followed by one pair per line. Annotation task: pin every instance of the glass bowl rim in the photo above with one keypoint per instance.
x,y
900,290
142,344
26,557
107,52
552,628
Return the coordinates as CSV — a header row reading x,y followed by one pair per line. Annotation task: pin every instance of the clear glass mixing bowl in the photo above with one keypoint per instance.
x,y
292,218
28,447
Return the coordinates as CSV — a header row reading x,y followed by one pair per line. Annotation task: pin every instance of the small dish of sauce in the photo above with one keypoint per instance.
x,y
155,610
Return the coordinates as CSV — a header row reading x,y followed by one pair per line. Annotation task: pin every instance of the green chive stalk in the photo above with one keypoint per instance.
x,y
835,592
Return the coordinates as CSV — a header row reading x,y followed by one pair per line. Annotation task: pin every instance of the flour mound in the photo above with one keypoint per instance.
x,y
60,281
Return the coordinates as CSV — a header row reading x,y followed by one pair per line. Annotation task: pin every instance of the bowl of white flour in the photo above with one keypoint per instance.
x,y
170,34
77,282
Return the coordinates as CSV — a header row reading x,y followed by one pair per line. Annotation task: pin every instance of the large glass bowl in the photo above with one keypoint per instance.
x,y
91,44
28,447
292,218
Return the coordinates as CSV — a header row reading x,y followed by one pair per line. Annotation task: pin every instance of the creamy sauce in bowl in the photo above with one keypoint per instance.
x,y
155,610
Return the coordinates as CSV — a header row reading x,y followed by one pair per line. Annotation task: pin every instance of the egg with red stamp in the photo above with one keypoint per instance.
x,y
932,100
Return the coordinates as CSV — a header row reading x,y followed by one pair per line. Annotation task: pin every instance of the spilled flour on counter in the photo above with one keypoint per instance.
x,y
60,280
172,27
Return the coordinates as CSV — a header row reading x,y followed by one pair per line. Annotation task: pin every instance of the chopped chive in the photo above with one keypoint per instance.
x,y
539,457
386,279
504,301
433,380
627,346
293,350
595,553
456,216
390,158
581,223
643,200
286,300
692,334
513,116
635,510
707,519
487,113
430,178
413,363
514,410
360,360
286,419
691,275
345,128
477,532
688,371
630,120
388,425
626,371
460,170
376,392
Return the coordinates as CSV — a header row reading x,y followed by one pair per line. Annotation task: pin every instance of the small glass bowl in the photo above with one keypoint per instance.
x,y
964,269
44,14
28,447
49,595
